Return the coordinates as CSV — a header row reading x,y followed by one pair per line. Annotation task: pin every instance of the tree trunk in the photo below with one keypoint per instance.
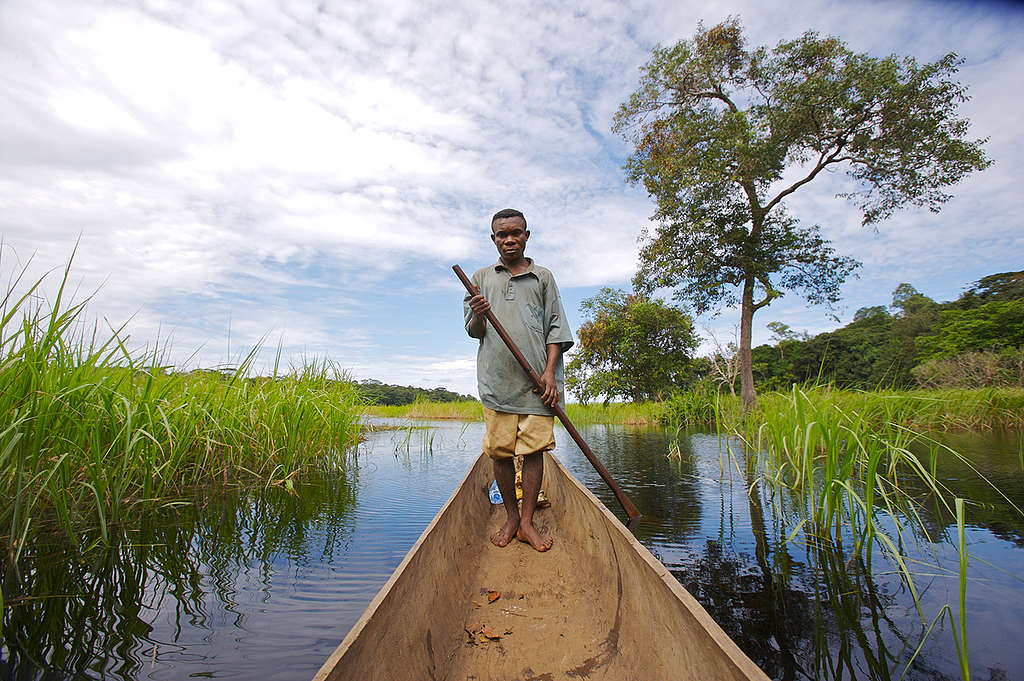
x,y
747,393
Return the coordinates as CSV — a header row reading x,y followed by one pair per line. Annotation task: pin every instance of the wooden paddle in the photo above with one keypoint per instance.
x,y
627,505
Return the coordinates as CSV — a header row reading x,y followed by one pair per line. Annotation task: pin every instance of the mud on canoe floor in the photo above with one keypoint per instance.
x,y
551,620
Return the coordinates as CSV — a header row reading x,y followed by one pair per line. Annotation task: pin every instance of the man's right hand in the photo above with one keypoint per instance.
x,y
478,324
479,305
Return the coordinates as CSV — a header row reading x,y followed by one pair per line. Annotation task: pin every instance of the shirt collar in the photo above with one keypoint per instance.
x,y
500,266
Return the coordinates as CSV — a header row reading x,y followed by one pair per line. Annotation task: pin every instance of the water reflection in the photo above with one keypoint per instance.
x,y
171,590
802,601
265,583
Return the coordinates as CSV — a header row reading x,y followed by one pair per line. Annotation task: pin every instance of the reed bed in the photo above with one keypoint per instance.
x,y
620,413
975,409
850,455
978,409
962,409
90,429
633,414
464,410
853,469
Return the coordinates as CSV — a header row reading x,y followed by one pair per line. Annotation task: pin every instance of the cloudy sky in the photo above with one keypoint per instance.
x,y
306,173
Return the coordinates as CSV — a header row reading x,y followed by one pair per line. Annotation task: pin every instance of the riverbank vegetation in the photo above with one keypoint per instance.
x,y
975,341
625,413
463,410
386,394
724,133
91,429
955,409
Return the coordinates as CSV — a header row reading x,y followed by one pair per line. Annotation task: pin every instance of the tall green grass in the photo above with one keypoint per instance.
x,y
642,413
985,408
977,409
855,470
464,410
90,429
621,413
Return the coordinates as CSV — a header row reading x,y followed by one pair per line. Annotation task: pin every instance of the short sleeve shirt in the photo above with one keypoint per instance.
x,y
529,307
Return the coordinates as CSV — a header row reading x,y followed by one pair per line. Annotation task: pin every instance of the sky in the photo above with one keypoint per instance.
x,y
299,177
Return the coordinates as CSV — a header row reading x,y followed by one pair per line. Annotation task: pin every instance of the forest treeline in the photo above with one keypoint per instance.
x,y
976,340
376,392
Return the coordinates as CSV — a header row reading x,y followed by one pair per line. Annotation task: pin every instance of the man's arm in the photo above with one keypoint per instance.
x,y
478,323
547,379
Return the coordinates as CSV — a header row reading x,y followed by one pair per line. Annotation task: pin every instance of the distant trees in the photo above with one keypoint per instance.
x,y
631,347
383,393
1001,286
724,134
975,340
995,325
857,355
635,348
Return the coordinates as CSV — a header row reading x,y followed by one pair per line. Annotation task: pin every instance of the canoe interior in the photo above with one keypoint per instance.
x,y
598,605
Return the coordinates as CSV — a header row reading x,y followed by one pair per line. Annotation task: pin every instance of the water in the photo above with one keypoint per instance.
x,y
265,583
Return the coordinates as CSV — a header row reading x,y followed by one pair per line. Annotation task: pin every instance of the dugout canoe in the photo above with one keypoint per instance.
x,y
596,606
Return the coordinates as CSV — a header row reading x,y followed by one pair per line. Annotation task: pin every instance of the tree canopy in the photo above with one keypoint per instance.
x,y
916,340
375,392
724,134
631,347
995,325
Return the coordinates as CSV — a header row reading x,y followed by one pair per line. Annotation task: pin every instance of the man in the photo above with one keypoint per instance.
x,y
518,418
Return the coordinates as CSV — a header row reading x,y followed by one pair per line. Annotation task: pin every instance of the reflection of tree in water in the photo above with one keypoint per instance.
x,y
80,613
735,594
819,615
638,454
808,608
994,465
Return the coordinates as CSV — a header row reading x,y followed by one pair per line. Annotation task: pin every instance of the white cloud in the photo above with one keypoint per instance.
x,y
312,169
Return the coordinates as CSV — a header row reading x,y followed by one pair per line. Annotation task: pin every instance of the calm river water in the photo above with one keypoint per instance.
x,y
264,584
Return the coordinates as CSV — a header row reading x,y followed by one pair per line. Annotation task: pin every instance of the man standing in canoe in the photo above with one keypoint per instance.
x,y
524,298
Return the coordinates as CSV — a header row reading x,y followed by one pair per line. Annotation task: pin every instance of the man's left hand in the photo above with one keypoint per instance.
x,y
550,393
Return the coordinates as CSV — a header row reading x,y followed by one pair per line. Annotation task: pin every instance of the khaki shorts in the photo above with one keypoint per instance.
x,y
511,435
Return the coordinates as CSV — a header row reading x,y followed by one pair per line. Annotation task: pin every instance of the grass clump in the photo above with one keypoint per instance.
x,y
854,469
642,413
91,429
620,413
953,409
463,410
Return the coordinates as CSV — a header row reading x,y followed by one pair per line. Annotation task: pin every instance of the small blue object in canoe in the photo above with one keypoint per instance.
x,y
493,494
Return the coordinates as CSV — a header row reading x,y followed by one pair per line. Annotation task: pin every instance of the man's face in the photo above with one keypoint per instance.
x,y
509,236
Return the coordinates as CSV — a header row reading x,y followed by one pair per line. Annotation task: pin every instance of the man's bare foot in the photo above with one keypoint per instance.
x,y
530,535
503,536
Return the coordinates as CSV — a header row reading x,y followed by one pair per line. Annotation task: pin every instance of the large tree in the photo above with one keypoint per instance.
x,y
630,346
724,134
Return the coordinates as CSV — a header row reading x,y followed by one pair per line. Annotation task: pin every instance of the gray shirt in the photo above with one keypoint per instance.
x,y
530,309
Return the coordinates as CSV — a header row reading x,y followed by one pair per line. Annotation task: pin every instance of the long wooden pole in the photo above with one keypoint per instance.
x,y
627,505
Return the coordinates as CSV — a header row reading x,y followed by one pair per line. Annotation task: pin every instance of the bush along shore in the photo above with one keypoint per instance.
x,y
974,409
91,430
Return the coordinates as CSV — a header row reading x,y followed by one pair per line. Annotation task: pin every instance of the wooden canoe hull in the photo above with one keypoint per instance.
x,y
598,605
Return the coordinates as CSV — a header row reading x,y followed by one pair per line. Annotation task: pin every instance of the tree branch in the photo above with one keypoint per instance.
x,y
824,158
822,162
